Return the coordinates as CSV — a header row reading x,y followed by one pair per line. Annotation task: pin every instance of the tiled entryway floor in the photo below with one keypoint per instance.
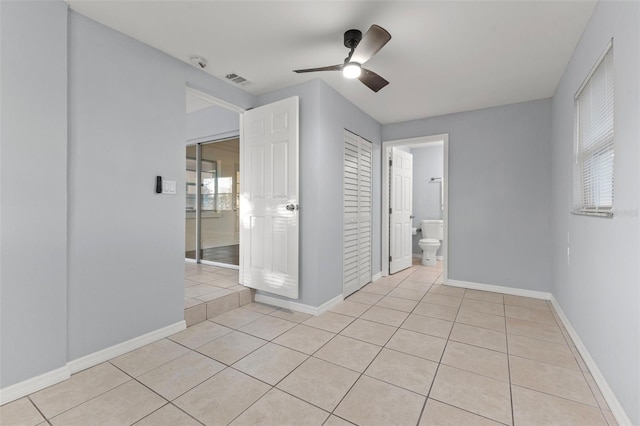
x,y
210,291
405,350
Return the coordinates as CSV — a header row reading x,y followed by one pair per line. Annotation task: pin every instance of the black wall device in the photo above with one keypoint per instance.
x,y
158,184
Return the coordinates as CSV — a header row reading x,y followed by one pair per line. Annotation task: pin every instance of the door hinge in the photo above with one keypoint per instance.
x,y
390,162
390,258
390,210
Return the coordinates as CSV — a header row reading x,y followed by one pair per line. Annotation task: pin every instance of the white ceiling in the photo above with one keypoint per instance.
x,y
444,56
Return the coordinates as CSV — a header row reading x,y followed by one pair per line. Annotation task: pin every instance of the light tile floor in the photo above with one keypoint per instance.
x,y
210,291
404,350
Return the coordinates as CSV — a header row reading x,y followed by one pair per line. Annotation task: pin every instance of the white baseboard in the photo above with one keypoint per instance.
x,y
29,386
500,289
330,304
26,387
607,393
299,307
124,347
376,277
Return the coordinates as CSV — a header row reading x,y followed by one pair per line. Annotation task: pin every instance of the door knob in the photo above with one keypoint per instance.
x,y
291,207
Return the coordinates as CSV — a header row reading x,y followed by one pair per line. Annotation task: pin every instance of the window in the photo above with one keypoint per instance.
x,y
208,172
594,150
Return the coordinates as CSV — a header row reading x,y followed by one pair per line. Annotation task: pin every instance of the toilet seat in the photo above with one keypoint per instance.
x,y
429,241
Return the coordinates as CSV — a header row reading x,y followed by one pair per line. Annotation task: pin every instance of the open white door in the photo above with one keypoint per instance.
x,y
401,202
269,198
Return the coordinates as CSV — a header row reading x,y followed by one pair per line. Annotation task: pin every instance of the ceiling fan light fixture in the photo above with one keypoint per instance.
x,y
352,70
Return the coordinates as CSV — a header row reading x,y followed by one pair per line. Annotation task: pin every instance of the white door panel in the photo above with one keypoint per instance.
x,y
401,210
269,198
357,213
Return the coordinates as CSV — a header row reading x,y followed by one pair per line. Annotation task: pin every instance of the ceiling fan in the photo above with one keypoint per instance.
x,y
362,48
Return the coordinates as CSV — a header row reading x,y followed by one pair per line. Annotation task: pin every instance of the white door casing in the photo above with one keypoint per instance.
x,y
269,198
401,203
357,222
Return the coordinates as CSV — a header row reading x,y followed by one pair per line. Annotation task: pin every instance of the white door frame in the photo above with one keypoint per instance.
x,y
224,104
386,150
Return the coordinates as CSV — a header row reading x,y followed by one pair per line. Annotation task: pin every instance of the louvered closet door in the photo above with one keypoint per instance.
x,y
357,212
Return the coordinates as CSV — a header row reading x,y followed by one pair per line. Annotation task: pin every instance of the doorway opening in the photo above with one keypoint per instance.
x,y
417,187
212,181
212,185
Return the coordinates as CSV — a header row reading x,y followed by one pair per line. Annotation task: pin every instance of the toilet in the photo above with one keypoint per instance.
x,y
432,234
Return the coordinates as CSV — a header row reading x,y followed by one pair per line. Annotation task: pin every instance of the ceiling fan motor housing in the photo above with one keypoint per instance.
x,y
352,38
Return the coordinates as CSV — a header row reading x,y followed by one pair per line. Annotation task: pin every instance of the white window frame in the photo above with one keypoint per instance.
x,y
598,154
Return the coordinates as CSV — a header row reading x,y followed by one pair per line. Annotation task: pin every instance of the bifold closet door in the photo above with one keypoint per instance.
x,y
357,212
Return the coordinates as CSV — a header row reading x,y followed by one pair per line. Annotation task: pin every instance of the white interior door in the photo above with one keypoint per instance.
x,y
401,202
357,212
269,198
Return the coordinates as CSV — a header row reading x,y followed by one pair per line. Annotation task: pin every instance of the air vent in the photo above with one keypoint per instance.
x,y
235,78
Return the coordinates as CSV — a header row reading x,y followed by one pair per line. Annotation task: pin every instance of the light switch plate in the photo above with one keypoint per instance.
x,y
168,186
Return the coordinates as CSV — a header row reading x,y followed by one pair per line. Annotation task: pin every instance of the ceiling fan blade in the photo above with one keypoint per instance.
x,y
329,68
372,80
373,40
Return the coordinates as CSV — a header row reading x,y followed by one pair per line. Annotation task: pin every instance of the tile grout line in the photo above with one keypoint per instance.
x,y
584,374
435,374
131,378
139,382
83,402
187,413
309,356
467,411
369,364
37,408
506,336
160,408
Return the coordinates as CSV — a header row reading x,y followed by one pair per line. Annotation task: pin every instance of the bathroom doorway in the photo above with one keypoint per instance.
x,y
428,199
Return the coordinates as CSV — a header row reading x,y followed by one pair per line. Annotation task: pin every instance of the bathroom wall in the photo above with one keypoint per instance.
x,y
595,260
428,162
499,192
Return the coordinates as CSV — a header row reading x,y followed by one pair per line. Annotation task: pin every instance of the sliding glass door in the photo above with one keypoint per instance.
x,y
212,183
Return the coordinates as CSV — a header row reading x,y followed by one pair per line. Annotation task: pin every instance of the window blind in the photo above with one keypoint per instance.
x,y
594,154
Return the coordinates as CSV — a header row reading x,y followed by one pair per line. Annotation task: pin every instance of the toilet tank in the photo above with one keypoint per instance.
x,y
432,229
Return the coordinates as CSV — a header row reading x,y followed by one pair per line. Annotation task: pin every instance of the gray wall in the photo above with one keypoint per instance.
x,y
324,114
212,123
91,257
598,285
499,192
337,114
127,124
428,162
33,189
